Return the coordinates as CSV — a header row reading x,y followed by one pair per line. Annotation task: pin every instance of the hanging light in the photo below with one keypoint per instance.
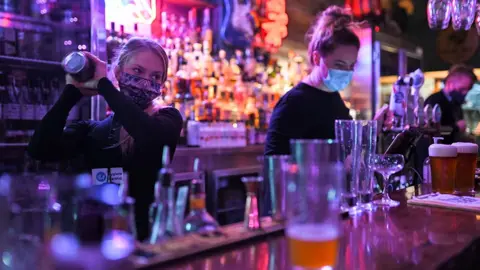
x,y
460,12
463,14
438,14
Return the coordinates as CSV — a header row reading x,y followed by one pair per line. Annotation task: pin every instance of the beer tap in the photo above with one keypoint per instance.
x,y
418,79
162,211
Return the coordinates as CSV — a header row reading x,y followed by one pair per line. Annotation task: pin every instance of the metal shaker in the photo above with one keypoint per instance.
x,y
79,66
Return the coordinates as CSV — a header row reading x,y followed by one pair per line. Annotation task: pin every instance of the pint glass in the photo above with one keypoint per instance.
x,y
466,165
313,203
443,164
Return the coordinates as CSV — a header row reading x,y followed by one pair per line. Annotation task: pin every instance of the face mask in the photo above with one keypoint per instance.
x,y
141,91
337,79
457,97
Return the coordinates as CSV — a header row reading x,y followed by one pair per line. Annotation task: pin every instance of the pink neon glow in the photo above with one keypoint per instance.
x,y
276,28
144,11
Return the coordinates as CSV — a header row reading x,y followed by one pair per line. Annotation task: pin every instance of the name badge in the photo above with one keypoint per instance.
x,y
116,175
100,176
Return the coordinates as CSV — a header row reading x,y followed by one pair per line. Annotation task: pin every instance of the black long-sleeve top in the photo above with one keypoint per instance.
x,y
92,140
451,113
304,112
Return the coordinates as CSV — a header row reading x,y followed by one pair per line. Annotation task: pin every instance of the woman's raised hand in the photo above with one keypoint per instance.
x,y
89,88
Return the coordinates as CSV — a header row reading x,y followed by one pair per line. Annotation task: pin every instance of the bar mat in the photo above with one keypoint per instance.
x,y
147,256
447,201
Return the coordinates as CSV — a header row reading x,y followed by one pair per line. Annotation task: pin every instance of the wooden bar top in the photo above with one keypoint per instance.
x,y
405,237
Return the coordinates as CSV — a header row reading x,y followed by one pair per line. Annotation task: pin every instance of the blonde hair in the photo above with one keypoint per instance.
x,y
333,27
123,55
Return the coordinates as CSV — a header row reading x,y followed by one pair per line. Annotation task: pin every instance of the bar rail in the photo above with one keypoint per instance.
x,y
405,237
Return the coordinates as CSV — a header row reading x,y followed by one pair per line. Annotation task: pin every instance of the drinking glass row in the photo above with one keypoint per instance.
x,y
452,167
325,177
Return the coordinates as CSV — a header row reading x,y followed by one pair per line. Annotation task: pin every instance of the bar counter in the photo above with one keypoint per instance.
x,y
405,237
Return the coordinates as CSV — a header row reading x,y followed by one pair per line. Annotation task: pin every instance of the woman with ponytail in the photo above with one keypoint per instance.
x,y
309,109
132,137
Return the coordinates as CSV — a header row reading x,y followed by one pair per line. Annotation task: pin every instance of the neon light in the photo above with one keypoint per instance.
x,y
141,11
275,29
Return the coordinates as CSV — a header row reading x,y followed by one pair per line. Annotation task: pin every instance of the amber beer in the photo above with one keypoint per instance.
x,y
466,164
313,245
443,164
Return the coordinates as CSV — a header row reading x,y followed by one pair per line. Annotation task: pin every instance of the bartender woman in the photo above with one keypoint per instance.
x,y
309,110
132,138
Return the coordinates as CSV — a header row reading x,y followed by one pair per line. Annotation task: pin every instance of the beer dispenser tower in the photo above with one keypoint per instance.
x,y
410,127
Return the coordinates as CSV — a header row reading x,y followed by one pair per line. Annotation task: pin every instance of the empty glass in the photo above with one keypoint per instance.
x,y
387,165
438,14
463,14
365,174
349,135
313,226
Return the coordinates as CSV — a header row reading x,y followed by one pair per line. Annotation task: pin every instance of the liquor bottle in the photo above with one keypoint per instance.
x,y
207,33
162,212
3,101
199,220
173,25
182,85
224,66
183,30
122,37
208,62
112,43
22,44
250,65
192,25
9,41
165,30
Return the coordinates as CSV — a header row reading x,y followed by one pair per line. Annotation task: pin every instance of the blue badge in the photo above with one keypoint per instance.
x,y
101,177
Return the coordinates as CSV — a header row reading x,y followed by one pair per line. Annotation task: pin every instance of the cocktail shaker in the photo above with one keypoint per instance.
x,y
79,66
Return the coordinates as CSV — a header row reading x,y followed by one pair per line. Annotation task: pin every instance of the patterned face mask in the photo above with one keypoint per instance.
x,y
141,91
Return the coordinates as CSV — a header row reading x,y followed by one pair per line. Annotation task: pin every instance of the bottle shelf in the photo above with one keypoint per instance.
x,y
11,20
28,62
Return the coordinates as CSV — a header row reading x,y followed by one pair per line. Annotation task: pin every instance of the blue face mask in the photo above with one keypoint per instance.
x,y
337,79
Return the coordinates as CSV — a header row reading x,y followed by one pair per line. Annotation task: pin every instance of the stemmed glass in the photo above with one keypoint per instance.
x,y
387,165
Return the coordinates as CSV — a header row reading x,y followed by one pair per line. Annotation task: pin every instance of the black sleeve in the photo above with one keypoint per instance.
x,y
52,141
163,128
287,122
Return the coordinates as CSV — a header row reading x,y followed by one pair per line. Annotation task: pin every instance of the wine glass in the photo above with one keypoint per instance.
x,y
387,165
439,13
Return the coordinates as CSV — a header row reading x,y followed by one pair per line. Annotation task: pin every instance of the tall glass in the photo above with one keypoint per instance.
x,y
314,180
463,14
349,135
386,165
443,165
438,14
365,175
466,165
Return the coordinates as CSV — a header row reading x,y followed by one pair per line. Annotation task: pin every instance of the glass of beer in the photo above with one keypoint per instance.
x,y
313,203
443,164
466,165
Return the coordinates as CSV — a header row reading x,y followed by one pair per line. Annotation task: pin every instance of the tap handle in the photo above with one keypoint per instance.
x,y
196,164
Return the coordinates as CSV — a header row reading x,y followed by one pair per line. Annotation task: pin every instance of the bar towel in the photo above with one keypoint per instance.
x,y
447,201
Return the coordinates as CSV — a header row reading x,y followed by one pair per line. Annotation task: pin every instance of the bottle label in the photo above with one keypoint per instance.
x,y
116,175
197,202
100,176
